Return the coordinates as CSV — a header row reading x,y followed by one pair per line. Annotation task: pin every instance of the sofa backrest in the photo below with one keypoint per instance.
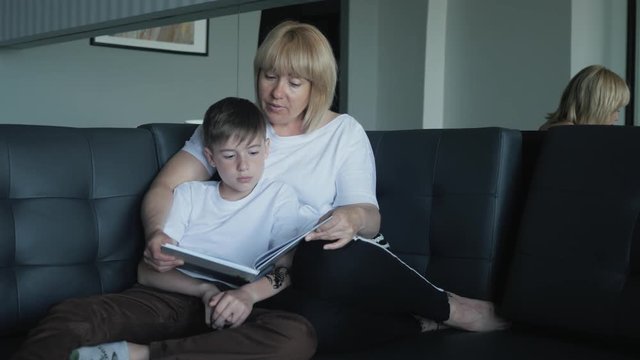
x,y
69,215
447,198
577,260
70,200
169,138
448,202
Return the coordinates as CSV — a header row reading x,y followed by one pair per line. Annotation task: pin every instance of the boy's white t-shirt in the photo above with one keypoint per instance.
x,y
329,167
201,220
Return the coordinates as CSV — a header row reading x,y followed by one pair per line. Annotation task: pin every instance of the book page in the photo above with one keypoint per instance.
x,y
273,254
228,271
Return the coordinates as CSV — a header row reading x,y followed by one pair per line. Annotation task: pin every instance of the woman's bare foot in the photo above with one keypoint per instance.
x,y
473,315
427,325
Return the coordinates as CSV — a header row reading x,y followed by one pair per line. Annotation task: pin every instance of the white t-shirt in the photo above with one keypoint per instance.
x,y
329,167
200,219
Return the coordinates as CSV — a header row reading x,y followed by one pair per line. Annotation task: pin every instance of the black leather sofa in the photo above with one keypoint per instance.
x,y
547,225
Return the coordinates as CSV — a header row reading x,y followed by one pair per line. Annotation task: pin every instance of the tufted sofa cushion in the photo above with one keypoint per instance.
x,y
69,215
450,212
169,138
447,201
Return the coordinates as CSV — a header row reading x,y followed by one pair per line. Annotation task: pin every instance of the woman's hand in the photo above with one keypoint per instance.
x,y
154,256
346,222
230,308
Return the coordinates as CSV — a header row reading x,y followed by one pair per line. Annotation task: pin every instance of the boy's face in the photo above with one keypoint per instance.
x,y
240,165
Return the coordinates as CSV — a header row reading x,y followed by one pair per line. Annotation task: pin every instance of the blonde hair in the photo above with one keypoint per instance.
x,y
300,50
591,96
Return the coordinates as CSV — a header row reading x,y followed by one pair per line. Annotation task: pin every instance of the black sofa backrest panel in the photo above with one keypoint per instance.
x,y
69,214
531,142
169,138
425,179
447,199
577,260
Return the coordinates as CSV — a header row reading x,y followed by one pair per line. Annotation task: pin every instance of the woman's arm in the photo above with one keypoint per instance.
x,y
355,209
156,204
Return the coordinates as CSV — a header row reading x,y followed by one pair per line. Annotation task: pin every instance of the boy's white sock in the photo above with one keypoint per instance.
x,y
110,351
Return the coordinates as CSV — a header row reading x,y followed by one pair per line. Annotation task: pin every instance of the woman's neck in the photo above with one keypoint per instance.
x,y
296,127
290,129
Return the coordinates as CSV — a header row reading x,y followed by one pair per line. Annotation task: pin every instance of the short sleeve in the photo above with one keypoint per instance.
x,y
178,218
356,177
287,223
195,147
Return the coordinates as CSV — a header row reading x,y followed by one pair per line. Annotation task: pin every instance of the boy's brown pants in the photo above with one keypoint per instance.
x,y
171,324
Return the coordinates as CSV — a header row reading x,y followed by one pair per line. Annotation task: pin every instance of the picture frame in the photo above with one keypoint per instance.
x,y
185,38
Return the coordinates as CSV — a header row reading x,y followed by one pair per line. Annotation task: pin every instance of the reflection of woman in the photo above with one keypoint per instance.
x,y
328,159
594,96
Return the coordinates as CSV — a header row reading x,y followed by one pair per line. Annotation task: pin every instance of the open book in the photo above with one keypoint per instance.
x,y
227,271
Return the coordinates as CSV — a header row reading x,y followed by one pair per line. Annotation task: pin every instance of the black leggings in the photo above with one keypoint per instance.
x,y
359,295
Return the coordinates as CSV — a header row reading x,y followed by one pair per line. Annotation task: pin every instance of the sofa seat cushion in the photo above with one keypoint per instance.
x,y
518,344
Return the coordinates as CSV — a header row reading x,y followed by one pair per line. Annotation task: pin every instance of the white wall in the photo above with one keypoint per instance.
x,y
434,65
386,63
598,36
362,85
486,63
506,61
76,84
402,34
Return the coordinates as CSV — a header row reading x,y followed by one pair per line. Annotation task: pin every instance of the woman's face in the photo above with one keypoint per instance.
x,y
284,98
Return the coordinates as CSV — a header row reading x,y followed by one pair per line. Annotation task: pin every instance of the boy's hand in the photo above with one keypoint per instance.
x,y
207,297
230,308
154,256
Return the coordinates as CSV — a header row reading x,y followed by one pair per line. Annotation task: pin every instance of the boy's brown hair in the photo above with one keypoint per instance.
x,y
232,118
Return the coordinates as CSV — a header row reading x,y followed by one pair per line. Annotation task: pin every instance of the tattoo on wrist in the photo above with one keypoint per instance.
x,y
278,276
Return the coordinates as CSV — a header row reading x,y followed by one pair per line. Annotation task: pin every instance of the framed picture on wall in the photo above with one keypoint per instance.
x,y
186,38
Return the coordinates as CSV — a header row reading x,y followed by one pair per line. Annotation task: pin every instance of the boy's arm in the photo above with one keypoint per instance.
x,y
232,307
175,281
272,283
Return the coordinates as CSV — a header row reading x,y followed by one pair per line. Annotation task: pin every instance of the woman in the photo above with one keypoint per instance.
x,y
594,96
328,159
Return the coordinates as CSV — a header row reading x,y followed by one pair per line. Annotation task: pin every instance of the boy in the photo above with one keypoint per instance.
x,y
237,218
